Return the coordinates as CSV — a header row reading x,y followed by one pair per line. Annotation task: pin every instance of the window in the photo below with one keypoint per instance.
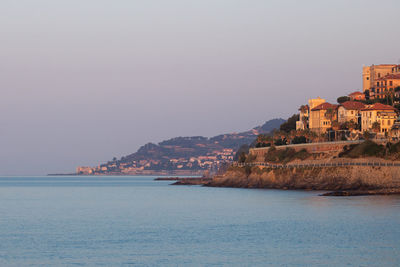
x,y
367,78
391,83
379,75
377,83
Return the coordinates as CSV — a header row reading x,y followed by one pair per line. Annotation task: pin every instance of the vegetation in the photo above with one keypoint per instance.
x,y
330,114
376,127
279,138
343,99
365,149
290,124
299,140
241,154
285,155
371,149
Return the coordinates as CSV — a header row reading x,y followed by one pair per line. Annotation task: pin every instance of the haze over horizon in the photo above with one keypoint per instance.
x,y
84,81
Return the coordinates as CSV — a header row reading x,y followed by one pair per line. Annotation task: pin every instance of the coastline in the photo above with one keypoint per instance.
x,y
339,180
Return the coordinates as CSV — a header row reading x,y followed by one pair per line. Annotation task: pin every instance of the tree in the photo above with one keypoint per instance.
x,y
330,114
351,125
343,99
376,127
335,125
299,140
290,124
367,94
241,153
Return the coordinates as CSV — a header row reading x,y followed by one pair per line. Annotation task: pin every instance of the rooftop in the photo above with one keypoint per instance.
x,y
379,106
325,106
356,93
353,105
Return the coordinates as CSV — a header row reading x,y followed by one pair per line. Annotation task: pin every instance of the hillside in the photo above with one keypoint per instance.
x,y
183,155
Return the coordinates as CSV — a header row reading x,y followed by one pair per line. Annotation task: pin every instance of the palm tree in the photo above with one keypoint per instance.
x,y
330,114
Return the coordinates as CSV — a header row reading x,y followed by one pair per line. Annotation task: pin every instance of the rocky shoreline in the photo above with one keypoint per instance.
x,y
186,180
342,181
387,191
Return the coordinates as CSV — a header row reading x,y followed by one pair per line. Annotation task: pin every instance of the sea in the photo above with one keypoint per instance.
x,y
136,221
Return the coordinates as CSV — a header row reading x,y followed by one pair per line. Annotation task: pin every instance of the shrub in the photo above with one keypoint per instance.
x,y
367,148
299,140
285,155
343,99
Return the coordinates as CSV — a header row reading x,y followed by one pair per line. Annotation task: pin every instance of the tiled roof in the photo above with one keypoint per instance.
x,y
356,93
355,105
379,106
325,106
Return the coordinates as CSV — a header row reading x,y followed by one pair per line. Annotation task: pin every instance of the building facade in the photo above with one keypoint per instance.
x,y
385,87
372,73
383,114
350,111
312,103
322,116
357,96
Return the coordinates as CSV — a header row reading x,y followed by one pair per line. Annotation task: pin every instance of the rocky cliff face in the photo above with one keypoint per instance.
x,y
313,178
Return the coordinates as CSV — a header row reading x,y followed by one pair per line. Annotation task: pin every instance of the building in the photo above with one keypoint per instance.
x,y
312,103
321,117
304,114
386,85
84,170
372,73
357,96
383,114
350,111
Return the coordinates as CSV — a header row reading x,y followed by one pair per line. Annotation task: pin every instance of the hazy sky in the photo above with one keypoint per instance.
x,y
82,81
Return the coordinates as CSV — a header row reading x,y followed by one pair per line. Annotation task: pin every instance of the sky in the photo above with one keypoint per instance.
x,y
84,81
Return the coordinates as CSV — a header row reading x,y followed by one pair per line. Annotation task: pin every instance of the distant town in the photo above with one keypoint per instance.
x,y
182,155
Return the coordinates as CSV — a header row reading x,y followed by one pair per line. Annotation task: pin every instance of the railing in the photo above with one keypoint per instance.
x,y
314,144
333,164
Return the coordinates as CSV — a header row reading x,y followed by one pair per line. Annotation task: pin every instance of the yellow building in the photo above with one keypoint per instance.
x,y
385,86
321,117
350,111
312,103
383,114
372,73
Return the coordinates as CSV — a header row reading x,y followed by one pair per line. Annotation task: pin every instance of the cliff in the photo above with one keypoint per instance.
x,y
311,178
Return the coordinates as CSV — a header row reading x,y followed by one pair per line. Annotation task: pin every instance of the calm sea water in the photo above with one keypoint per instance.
x,y
114,221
